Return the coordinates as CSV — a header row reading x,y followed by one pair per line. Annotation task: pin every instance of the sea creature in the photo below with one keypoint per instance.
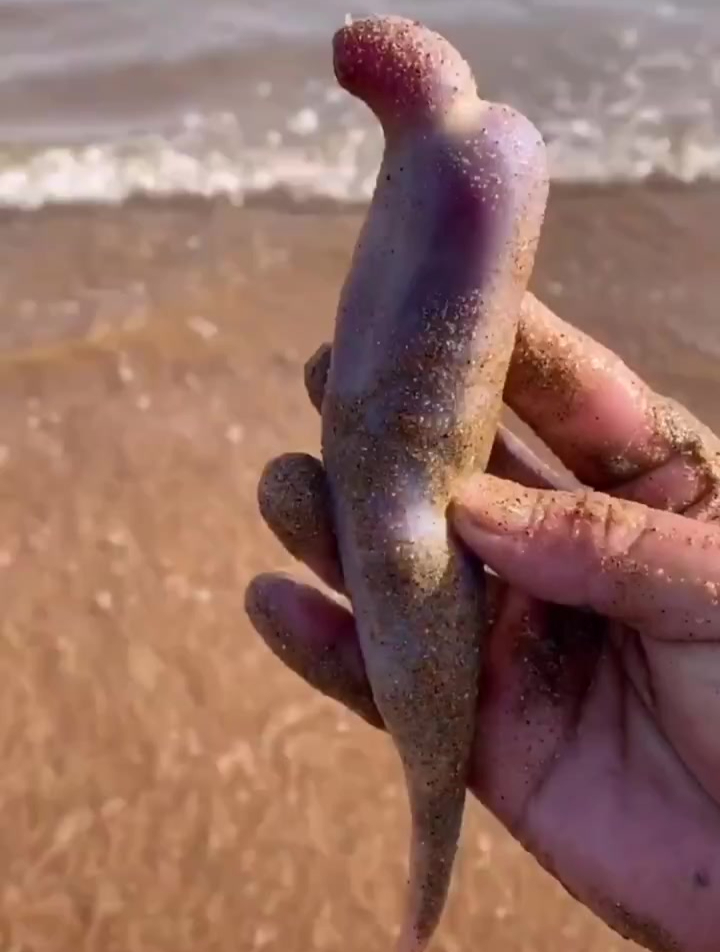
x,y
425,328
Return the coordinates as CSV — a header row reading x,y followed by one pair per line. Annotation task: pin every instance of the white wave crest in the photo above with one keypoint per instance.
x,y
305,161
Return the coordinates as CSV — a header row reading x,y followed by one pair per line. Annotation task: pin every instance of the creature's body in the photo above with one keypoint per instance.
x,y
424,334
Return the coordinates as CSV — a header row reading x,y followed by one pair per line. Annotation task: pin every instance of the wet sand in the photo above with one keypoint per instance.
x,y
166,785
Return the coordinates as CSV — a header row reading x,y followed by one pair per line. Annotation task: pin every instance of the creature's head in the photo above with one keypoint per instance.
x,y
404,72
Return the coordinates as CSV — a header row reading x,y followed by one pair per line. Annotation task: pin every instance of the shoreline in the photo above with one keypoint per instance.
x,y
283,199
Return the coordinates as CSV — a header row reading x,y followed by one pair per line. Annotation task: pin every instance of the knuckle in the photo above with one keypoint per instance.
x,y
602,529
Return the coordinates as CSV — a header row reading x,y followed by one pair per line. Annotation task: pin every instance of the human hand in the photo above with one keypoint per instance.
x,y
596,744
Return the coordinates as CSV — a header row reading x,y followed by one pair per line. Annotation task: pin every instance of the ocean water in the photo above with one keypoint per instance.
x,y
102,99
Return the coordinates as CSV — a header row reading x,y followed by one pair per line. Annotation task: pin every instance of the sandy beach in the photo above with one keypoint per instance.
x,y
166,785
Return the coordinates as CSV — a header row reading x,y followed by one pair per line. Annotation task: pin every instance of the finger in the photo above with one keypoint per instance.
x,y
315,637
653,570
510,457
294,502
531,686
316,374
602,421
598,417
532,682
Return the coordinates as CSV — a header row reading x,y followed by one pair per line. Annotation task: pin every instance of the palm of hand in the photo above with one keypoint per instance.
x,y
596,743
573,757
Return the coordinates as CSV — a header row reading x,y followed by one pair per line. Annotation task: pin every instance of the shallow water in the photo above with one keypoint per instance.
x,y
100,99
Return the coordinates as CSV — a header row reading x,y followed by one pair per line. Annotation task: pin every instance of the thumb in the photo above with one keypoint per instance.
x,y
651,569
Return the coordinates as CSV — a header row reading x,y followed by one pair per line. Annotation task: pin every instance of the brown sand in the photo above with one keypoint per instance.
x,y
166,784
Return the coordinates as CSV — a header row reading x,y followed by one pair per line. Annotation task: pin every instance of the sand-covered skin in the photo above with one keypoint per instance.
x,y
425,330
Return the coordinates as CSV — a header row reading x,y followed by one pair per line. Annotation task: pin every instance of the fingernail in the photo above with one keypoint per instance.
x,y
259,606
493,507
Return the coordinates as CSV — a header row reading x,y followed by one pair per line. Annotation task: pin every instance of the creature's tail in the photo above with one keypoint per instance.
x,y
423,657
436,821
